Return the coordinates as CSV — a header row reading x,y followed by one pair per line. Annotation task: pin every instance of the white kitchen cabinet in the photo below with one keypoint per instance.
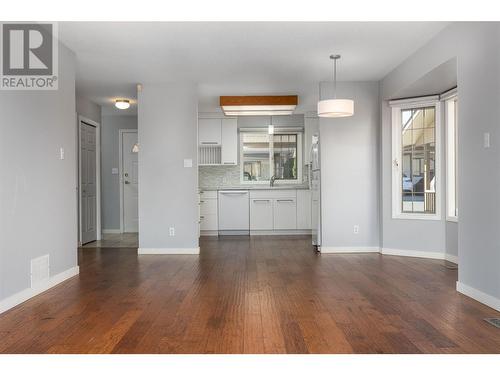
x,y
209,131
303,209
208,211
229,140
261,214
311,127
285,213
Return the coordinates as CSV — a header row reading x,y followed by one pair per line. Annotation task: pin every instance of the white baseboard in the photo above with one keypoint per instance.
x,y
111,231
168,251
482,297
28,293
413,253
348,249
451,258
288,232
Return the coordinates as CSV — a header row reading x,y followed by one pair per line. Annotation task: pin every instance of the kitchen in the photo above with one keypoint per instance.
x,y
255,168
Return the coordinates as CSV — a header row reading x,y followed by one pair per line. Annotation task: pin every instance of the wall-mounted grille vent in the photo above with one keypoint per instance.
x,y
493,321
39,270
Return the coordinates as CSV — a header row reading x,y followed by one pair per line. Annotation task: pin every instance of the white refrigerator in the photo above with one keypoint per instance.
x,y
315,185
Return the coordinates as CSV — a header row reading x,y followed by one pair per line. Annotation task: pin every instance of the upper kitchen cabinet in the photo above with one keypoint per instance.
x,y
311,127
218,141
209,131
229,133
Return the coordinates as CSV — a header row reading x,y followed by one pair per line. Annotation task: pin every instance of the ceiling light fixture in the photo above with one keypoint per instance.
x,y
122,103
335,107
258,105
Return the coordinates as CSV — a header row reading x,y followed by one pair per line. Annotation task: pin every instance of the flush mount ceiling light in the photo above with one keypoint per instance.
x,y
258,105
335,107
122,103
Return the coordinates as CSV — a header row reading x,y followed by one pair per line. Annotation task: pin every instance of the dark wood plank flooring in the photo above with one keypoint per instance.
x,y
258,295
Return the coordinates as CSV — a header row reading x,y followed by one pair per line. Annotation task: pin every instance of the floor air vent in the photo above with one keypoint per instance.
x,y
493,321
39,270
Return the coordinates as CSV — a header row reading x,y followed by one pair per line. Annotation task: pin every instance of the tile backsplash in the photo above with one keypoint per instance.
x,y
226,176
219,176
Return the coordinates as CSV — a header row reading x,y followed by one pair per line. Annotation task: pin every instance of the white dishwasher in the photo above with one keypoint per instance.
x,y
234,212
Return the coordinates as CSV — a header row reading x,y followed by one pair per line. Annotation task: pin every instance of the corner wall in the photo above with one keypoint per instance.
x,y
168,191
476,47
37,189
350,171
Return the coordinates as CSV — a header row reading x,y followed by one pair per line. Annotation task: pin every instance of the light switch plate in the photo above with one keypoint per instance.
x,y
486,140
114,170
61,153
188,163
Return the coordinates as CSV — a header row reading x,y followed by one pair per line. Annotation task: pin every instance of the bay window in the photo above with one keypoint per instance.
x,y
415,158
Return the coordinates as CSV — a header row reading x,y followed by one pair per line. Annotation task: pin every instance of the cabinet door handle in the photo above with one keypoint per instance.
x,y
285,200
229,162
262,200
209,143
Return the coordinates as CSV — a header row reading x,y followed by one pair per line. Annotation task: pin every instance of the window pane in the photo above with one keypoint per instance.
x,y
418,160
256,166
285,156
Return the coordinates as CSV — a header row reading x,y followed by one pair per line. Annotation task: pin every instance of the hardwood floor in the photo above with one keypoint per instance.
x,y
258,295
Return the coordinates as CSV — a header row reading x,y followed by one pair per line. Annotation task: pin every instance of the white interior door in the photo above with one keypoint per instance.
x,y
130,182
88,187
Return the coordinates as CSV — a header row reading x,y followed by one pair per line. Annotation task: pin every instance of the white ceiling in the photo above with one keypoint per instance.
x,y
236,58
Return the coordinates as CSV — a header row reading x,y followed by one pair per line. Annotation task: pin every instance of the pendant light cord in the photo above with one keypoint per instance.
x,y
334,78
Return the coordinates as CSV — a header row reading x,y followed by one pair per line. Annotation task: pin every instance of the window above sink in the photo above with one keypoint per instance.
x,y
265,155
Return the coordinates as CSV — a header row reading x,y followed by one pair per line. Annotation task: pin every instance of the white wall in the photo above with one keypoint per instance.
x,y
88,109
350,169
476,47
37,190
168,127
110,183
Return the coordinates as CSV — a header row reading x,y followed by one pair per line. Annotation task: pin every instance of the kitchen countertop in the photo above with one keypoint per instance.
x,y
256,187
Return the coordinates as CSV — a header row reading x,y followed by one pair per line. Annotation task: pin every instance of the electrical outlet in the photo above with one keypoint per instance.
x,y
356,229
61,153
171,232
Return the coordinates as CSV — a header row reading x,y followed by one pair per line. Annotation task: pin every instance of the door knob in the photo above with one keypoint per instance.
x,y
126,182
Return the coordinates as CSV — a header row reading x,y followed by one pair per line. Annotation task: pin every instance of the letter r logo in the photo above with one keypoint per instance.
x,y
27,49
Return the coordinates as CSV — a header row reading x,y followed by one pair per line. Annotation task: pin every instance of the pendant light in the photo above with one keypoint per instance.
x,y
335,107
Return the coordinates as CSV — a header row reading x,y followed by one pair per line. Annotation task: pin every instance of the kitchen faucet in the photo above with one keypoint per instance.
x,y
271,181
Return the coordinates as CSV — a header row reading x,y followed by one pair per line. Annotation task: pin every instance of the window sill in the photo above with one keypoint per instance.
x,y
402,216
452,219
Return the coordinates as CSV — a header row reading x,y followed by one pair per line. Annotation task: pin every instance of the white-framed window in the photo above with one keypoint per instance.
x,y
265,155
451,110
416,159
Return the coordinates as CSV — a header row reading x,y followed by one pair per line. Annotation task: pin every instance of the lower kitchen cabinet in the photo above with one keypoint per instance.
x,y
208,211
261,214
285,213
303,209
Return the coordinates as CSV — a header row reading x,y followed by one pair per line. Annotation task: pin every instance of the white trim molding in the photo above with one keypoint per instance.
x,y
26,294
348,249
168,251
451,258
413,253
82,119
482,297
120,172
397,171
